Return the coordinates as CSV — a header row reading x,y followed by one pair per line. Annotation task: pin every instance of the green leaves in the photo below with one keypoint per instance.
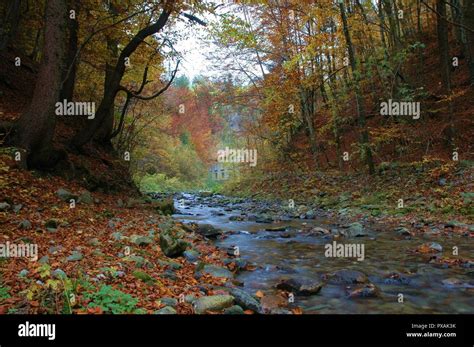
x,y
111,300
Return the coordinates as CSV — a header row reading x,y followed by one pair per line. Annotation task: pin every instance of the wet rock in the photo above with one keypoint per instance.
x,y
245,300
300,287
217,271
166,310
208,231
366,291
276,228
402,231
310,215
397,278
190,298
356,230
456,283
236,309
172,247
430,247
320,230
346,276
237,218
263,219
212,303
191,255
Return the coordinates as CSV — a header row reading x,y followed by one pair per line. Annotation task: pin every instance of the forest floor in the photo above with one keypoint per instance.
x,y
99,255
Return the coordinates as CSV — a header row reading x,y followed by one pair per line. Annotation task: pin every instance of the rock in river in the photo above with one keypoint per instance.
x,y
300,287
208,231
345,276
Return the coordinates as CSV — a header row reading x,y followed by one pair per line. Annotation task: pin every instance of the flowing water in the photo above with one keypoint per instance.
x,y
292,253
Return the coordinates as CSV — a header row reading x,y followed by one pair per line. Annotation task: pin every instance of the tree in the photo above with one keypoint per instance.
x,y
364,135
102,121
468,14
36,126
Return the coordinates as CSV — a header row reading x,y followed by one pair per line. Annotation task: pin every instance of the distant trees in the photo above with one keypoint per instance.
x,y
328,65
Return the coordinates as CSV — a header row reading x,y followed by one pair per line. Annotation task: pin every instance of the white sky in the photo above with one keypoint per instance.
x,y
193,50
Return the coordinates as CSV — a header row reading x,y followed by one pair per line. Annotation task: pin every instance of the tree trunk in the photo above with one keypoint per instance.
x,y
443,44
105,109
10,23
468,15
70,66
36,125
364,135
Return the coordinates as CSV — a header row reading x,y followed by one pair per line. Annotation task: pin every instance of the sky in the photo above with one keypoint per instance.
x,y
193,50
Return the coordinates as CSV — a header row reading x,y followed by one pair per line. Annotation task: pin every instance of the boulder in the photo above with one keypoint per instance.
x,y
245,300
236,309
217,271
208,231
166,310
25,224
65,195
191,255
356,230
212,303
172,247
141,240
300,287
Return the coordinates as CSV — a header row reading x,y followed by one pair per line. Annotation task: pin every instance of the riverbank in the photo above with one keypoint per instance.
x,y
96,252
405,195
